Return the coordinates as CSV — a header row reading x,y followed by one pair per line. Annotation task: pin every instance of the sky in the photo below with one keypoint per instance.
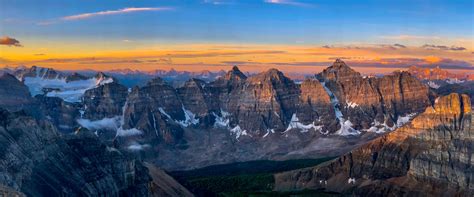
x,y
291,35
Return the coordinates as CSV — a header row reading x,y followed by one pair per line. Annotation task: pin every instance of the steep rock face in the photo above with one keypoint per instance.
x,y
315,105
197,98
37,161
13,93
62,114
368,102
221,88
265,101
156,110
105,101
431,156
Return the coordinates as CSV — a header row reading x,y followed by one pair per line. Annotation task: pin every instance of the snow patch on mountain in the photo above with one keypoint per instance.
x,y
378,127
346,125
296,124
454,81
190,118
433,85
268,132
154,124
71,91
237,131
351,104
402,120
222,120
346,129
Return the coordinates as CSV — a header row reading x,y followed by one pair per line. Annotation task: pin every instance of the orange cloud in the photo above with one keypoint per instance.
x,y
433,59
10,41
252,57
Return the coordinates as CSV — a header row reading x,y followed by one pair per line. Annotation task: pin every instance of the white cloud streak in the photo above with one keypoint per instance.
x,y
410,37
113,12
287,2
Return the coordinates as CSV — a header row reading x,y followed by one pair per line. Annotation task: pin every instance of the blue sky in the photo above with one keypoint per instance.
x,y
368,30
241,21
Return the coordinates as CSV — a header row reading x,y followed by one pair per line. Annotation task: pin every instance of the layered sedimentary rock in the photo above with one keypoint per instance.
x,y
197,98
431,156
373,102
105,101
265,101
156,110
221,88
315,106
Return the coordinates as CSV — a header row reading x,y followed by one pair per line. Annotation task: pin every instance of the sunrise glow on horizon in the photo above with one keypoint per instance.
x,y
291,35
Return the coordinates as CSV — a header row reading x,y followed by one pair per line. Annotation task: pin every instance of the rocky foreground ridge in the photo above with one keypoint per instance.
x,y
36,160
430,156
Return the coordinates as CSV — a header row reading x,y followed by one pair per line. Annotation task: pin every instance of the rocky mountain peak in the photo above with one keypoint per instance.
x,y
35,71
339,70
7,77
156,82
235,75
13,93
100,75
75,77
193,82
271,75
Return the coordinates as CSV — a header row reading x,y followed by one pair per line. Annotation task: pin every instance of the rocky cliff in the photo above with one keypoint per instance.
x,y
38,161
374,104
431,156
105,101
156,111
13,93
264,102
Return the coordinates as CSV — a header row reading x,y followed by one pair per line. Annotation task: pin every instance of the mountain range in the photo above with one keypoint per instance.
x,y
110,137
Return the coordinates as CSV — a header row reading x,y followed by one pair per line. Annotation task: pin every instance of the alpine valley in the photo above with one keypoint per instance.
x,y
337,132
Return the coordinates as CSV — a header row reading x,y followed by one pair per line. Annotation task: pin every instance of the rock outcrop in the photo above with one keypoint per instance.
x,y
315,106
222,87
62,114
14,95
431,156
157,111
105,101
197,98
75,77
264,102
